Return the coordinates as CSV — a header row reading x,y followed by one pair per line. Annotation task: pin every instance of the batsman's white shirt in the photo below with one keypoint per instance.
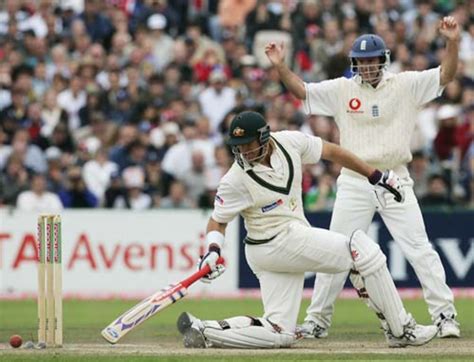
x,y
377,125
268,198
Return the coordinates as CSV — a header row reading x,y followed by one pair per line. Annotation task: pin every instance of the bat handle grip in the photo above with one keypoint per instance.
x,y
200,273
207,269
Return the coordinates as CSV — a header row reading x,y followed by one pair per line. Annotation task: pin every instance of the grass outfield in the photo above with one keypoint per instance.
x,y
355,334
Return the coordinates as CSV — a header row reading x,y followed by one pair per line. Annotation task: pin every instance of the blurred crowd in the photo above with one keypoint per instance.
x,y
126,103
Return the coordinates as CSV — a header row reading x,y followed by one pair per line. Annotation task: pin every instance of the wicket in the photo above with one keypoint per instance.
x,y
50,313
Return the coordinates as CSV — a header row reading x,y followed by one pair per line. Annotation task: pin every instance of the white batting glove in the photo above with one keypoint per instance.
x,y
387,182
211,259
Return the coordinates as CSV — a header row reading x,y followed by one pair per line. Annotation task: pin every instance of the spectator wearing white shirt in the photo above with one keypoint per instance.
x,y
134,198
178,159
72,100
59,63
218,99
97,173
51,113
162,43
38,199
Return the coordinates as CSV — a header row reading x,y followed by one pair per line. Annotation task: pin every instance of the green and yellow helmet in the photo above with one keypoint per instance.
x,y
245,128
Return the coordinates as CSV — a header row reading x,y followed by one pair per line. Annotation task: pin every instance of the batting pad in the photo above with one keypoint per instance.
x,y
384,295
241,332
381,292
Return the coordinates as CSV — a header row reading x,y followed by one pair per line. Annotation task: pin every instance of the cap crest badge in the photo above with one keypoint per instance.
x,y
238,132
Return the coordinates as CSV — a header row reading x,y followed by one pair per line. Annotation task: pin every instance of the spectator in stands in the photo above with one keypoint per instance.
x,y
307,15
55,175
437,194
32,156
231,14
97,24
419,171
114,191
75,194
260,18
162,42
97,173
177,161
13,116
218,99
13,180
38,199
119,153
62,139
58,63
133,197
154,182
323,49
194,179
94,104
72,100
178,198
51,113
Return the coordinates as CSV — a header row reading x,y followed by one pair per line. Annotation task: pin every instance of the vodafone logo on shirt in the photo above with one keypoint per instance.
x,y
354,105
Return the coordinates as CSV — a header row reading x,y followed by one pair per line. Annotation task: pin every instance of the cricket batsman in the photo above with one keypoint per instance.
x,y
376,112
264,186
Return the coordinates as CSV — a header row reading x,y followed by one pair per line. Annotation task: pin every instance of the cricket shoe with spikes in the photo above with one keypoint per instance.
x,y
448,326
191,329
311,329
414,335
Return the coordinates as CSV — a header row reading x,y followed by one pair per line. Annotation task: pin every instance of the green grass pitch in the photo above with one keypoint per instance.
x,y
355,334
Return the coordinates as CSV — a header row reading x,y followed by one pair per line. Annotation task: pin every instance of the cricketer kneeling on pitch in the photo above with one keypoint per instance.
x,y
264,186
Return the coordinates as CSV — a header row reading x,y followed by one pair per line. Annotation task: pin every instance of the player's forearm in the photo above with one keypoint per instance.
x,y
347,159
291,81
449,64
215,235
213,225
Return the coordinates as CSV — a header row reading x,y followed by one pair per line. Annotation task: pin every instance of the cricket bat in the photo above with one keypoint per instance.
x,y
150,306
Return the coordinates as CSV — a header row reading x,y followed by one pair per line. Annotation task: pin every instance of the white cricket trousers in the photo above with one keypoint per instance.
x,y
281,263
354,209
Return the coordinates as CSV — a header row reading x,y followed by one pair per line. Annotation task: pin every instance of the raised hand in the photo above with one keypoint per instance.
x,y
449,28
275,53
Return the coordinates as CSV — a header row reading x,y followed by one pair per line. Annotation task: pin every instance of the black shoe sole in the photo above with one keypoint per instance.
x,y
184,323
193,339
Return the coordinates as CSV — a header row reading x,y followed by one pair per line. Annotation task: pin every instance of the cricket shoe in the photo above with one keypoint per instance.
x,y
191,329
311,329
414,335
448,326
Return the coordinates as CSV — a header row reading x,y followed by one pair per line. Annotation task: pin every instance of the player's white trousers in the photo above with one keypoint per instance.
x,y
280,266
354,209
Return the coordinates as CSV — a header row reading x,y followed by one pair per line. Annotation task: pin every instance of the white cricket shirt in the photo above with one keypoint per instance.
x,y
375,124
268,198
